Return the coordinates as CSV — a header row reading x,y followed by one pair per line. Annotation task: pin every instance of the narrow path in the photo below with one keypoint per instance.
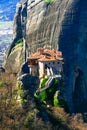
x,y
49,82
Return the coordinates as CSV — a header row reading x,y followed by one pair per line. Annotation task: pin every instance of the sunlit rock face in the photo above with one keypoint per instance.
x,y
17,30
14,61
44,23
62,25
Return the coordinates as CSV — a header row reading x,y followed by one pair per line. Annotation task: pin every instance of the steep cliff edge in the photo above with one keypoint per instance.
x,y
44,23
60,25
72,42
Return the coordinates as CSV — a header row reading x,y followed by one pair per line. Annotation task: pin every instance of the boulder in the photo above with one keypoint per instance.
x,y
14,62
29,83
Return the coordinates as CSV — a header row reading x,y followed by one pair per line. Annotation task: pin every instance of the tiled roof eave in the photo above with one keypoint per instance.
x,y
47,55
49,60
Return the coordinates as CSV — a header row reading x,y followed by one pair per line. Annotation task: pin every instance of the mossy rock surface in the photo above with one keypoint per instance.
x,y
14,61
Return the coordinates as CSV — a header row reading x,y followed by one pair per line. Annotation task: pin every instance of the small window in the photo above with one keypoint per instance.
x,y
53,62
45,66
49,63
58,62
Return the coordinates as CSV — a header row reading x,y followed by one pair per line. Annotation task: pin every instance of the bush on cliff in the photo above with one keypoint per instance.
x,y
49,1
48,94
42,95
19,43
1,84
60,102
43,82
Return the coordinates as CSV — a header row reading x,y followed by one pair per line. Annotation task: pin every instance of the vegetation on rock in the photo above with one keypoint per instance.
x,y
18,44
49,1
52,94
43,82
1,84
34,113
30,117
15,60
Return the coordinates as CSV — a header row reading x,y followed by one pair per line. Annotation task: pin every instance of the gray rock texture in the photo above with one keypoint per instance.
x,y
61,25
73,43
17,29
14,62
44,23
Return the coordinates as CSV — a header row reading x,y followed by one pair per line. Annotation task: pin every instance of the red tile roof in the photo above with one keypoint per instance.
x,y
46,55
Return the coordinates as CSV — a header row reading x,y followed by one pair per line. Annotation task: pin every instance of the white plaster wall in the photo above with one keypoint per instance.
x,y
57,65
41,69
33,70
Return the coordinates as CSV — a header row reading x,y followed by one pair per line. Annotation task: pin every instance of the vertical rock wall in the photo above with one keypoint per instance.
x,y
44,23
61,25
72,42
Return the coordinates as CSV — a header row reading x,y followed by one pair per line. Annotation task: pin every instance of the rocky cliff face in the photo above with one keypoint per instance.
x,y
72,43
61,25
44,23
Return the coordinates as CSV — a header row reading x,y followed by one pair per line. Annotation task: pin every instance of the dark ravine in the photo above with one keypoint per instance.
x,y
62,25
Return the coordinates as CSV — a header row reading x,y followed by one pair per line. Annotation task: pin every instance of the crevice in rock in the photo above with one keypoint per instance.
x,y
80,90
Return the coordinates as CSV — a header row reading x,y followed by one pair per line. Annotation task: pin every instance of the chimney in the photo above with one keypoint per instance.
x,y
40,50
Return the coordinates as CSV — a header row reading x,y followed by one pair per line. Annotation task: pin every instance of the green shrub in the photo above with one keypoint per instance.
x,y
60,102
21,93
56,101
56,82
49,1
23,101
19,85
18,45
29,118
43,96
43,82
52,89
1,84
47,94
